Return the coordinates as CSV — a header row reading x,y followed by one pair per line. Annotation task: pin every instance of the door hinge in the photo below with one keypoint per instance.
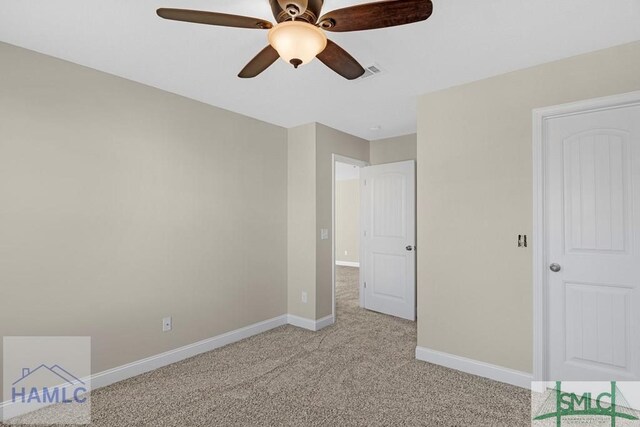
x,y
365,284
365,182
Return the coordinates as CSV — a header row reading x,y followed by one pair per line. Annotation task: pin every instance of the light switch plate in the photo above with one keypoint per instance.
x,y
324,234
167,324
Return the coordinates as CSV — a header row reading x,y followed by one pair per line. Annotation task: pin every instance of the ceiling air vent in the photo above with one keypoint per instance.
x,y
371,71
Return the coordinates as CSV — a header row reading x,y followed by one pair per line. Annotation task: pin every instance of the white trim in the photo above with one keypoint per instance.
x,y
301,322
539,238
538,257
312,325
470,366
348,160
324,322
362,243
114,375
348,264
133,369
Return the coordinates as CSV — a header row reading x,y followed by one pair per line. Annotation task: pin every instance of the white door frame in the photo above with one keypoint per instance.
x,y
360,163
540,260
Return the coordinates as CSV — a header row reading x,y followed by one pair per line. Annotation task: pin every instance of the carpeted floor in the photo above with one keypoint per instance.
x,y
359,372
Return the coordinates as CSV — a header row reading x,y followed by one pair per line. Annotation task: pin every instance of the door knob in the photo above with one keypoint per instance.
x,y
409,248
555,267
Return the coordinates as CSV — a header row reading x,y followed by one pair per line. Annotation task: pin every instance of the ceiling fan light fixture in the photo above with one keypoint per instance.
x,y
297,42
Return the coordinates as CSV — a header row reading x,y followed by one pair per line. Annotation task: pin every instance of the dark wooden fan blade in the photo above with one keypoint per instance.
x,y
336,58
377,15
259,63
276,9
213,18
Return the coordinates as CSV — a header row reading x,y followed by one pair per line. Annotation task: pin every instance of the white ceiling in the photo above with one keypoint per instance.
x,y
464,40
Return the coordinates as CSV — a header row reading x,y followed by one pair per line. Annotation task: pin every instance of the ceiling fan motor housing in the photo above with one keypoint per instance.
x,y
293,7
304,10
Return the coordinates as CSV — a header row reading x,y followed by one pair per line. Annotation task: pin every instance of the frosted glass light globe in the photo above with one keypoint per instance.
x,y
297,42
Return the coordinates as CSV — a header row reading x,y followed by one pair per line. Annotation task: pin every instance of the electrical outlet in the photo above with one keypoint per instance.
x,y
346,252
324,234
304,297
167,324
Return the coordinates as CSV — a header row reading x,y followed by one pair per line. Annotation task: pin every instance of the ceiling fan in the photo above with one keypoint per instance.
x,y
299,35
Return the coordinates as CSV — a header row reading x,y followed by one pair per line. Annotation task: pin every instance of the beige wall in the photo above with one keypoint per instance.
x,y
310,182
121,204
391,150
474,198
302,220
329,141
348,220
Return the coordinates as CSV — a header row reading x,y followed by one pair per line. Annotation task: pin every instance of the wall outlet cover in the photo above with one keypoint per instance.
x,y
304,297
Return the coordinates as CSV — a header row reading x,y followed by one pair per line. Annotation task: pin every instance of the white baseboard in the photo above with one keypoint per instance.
x,y
470,366
301,322
324,322
312,325
120,373
133,369
348,264
111,376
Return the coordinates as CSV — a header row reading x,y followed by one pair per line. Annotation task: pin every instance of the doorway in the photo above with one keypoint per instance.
x,y
346,225
587,223
374,235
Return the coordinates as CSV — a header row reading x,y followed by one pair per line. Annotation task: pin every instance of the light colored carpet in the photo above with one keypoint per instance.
x,y
359,372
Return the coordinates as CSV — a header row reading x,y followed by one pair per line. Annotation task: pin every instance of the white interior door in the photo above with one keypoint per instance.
x,y
388,264
593,236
